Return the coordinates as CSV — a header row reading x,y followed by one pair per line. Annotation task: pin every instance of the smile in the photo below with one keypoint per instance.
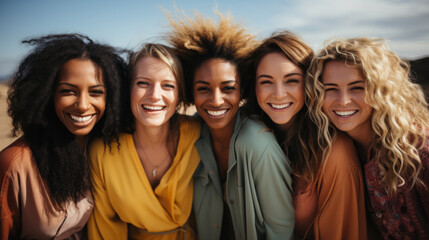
x,y
346,113
81,119
280,106
216,113
153,108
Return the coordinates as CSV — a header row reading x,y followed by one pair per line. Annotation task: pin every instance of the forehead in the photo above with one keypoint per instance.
x,y
81,70
340,72
150,66
277,61
215,70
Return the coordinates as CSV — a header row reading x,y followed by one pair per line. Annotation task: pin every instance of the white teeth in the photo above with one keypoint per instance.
x,y
216,113
280,106
80,119
345,113
150,107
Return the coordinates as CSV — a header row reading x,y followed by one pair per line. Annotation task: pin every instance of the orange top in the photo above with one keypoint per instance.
x,y
334,206
26,208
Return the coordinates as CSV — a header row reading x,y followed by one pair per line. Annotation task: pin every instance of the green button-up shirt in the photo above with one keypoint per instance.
x,y
258,186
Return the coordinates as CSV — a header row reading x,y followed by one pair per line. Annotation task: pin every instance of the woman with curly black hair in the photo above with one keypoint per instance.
x,y
64,93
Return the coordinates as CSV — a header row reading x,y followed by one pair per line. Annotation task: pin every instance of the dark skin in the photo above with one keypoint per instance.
x,y
217,96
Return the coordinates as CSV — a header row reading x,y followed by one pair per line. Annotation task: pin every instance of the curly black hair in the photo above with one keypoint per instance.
x,y
57,153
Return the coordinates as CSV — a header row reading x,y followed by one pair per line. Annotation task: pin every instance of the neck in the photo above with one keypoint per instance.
x,y
151,136
82,141
221,137
363,136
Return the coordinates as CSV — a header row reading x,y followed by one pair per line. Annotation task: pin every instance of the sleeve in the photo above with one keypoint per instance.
x,y
103,223
341,204
273,187
9,202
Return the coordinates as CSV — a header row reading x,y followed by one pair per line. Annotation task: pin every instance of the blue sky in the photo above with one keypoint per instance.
x,y
127,23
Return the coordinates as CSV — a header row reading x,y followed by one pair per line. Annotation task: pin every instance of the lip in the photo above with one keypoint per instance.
x,y
345,113
216,113
280,107
80,120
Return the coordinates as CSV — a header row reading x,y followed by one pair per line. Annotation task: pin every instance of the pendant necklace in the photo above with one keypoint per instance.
x,y
151,165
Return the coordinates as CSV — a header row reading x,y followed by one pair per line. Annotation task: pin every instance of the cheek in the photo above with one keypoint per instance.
x,y
235,99
261,94
326,102
301,95
198,99
101,105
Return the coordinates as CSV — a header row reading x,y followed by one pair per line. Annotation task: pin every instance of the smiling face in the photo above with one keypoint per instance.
x,y
344,101
217,93
80,96
154,94
279,87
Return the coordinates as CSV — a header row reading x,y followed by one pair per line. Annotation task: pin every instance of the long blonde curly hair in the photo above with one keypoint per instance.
x,y
199,39
400,116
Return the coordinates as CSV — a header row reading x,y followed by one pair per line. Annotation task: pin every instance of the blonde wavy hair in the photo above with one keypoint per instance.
x,y
400,116
200,39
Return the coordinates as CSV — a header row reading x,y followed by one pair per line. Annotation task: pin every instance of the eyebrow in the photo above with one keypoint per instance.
x,y
72,85
150,79
352,83
208,83
285,76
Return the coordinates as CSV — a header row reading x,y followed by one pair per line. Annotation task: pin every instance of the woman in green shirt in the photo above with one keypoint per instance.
x,y
242,187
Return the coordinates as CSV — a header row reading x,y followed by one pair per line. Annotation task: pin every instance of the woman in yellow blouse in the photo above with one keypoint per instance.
x,y
143,184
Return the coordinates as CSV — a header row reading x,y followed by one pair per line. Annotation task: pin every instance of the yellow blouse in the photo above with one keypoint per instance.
x,y
126,207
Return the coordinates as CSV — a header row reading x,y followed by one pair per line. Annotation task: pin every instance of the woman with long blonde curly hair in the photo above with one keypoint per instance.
x,y
242,187
365,90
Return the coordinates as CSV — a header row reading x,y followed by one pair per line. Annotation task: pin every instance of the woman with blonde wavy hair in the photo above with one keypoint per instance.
x,y
242,187
365,90
328,186
142,185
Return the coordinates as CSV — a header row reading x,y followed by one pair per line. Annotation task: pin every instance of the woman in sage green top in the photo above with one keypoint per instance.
x,y
242,187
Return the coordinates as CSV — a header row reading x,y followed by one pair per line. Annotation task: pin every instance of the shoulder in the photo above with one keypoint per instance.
x,y
15,156
190,126
257,142
254,133
98,149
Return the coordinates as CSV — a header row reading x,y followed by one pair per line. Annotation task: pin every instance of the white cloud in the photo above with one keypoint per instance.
x,y
403,23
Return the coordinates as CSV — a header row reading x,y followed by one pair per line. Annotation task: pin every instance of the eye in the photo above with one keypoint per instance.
x,y
96,92
202,89
330,89
291,81
357,88
262,82
66,91
169,86
229,88
142,83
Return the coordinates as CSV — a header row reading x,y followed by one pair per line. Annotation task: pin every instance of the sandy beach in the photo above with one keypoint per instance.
x,y
5,121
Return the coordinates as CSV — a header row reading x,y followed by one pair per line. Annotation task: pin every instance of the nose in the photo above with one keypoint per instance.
x,y
217,99
155,92
344,98
279,91
83,103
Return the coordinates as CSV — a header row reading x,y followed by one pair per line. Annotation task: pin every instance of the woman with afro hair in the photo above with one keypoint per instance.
x,y
242,187
64,93
365,90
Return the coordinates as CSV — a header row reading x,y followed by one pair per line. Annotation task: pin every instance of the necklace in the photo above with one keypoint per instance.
x,y
154,167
